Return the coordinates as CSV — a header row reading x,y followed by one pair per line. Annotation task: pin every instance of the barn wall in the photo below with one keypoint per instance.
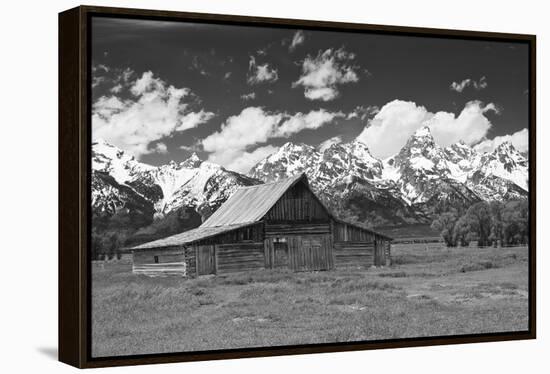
x,y
252,233
284,229
382,254
354,245
297,204
353,254
191,260
237,257
387,249
345,232
171,261
302,257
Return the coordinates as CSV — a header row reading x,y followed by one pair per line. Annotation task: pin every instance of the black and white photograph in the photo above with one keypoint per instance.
x,y
262,186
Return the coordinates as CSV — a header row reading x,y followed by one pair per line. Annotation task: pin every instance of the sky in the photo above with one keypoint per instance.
x,y
233,94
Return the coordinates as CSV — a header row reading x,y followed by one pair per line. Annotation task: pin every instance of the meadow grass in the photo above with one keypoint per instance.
x,y
428,291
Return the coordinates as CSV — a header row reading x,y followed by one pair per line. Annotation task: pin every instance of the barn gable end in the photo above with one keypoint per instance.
x,y
298,204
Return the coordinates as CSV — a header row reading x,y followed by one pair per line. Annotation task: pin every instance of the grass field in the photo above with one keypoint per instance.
x,y
428,291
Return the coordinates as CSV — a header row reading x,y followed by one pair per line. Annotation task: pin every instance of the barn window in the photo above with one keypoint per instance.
x,y
279,240
247,233
156,258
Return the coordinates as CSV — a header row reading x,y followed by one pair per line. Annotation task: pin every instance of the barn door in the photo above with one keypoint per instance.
x,y
280,255
379,253
205,260
310,253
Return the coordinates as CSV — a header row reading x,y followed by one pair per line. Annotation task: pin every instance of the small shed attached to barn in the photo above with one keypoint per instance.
x,y
274,225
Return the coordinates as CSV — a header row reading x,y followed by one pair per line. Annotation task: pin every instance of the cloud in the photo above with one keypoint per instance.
x,y
519,139
255,126
196,147
388,131
242,161
300,121
117,88
461,86
363,112
321,75
154,110
260,73
327,143
193,119
160,148
248,96
118,78
297,39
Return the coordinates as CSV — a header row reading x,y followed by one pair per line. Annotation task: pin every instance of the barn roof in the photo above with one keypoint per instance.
x,y
362,227
189,236
250,204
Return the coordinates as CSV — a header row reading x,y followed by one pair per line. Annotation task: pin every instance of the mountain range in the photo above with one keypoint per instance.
x,y
422,179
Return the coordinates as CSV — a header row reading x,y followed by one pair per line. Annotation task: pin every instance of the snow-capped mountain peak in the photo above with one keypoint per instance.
x,y
290,159
192,183
506,162
119,164
192,162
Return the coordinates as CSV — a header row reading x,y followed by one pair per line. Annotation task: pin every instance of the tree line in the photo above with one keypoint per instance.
x,y
488,223
112,233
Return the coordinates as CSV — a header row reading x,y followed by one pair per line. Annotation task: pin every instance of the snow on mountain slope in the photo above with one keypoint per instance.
x,y
461,160
406,187
507,163
421,174
289,160
115,162
418,166
193,182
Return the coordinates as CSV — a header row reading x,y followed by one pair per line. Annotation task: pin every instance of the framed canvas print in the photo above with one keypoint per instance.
x,y
237,186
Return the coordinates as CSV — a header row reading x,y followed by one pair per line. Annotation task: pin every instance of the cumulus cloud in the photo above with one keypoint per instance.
x,y
322,74
248,96
388,131
160,148
461,86
153,111
255,126
327,143
297,39
260,73
242,161
519,139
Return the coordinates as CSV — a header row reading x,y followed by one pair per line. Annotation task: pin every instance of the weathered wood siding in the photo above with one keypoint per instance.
x,y
284,229
160,262
253,233
191,260
359,254
387,249
310,252
348,233
298,204
354,244
237,257
205,259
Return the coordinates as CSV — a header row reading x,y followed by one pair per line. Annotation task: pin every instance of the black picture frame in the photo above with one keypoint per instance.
x,y
74,185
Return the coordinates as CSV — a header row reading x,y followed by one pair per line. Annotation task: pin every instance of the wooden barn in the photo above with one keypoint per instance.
x,y
273,225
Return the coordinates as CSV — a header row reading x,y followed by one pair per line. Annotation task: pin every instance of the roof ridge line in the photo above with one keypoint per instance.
x,y
272,182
